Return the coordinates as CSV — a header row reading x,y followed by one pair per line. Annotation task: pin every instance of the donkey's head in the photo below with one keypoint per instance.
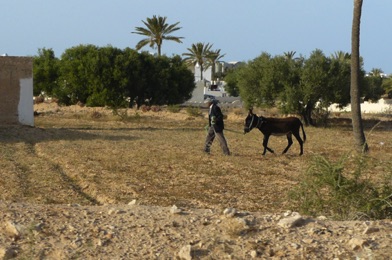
x,y
250,121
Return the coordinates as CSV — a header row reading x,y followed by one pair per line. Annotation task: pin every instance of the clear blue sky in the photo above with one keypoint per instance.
x,y
241,29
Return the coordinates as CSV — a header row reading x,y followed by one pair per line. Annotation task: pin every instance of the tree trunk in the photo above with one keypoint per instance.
x,y
213,71
359,136
307,114
159,50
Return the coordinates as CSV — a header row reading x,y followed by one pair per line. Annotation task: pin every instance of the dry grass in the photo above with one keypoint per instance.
x,y
157,158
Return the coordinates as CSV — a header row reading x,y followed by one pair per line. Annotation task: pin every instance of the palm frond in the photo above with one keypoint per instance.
x,y
157,30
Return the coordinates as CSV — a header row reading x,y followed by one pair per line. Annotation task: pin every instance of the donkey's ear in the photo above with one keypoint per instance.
x,y
250,111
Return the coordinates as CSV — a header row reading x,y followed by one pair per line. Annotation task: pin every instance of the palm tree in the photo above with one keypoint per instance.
x,y
289,55
212,58
359,135
341,56
376,72
198,55
156,31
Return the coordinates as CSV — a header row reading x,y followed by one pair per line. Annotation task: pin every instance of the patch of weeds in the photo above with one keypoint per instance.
x,y
136,116
49,200
121,113
96,115
7,152
77,116
342,191
193,111
238,111
131,118
174,108
320,116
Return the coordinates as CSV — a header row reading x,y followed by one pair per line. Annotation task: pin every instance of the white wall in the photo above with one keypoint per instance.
x,y
26,104
382,106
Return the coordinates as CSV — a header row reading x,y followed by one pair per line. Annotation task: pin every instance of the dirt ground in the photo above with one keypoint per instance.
x,y
103,216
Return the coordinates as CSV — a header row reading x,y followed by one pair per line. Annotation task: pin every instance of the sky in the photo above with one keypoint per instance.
x,y
242,30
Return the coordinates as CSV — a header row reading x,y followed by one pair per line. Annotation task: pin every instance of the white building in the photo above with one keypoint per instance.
x,y
382,106
207,86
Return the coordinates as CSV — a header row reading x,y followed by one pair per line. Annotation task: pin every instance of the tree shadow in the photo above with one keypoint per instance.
x,y
148,128
33,135
368,124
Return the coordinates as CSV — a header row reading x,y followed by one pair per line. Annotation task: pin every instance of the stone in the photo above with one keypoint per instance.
x,y
132,202
295,246
229,212
175,210
370,230
7,253
308,240
253,253
185,252
357,243
292,221
13,229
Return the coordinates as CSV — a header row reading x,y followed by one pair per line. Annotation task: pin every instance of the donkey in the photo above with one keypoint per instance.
x,y
276,126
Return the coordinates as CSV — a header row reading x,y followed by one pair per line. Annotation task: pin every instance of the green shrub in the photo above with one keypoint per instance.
x,y
193,111
174,108
330,190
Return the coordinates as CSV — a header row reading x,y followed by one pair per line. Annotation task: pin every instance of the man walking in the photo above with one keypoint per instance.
x,y
215,127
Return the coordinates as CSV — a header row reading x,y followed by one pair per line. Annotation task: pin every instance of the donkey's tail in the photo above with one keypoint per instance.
x,y
303,132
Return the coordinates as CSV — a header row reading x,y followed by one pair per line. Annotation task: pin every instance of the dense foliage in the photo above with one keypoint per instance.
x,y
45,71
305,86
108,76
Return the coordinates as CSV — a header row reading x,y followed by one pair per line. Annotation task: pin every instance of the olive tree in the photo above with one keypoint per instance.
x,y
46,71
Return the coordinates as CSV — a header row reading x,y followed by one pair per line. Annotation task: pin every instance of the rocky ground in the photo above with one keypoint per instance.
x,y
146,232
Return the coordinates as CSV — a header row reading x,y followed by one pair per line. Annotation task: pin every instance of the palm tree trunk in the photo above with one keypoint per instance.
x,y
359,136
213,71
159,50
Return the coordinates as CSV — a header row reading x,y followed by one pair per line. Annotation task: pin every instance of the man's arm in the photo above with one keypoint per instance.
x,y
218,114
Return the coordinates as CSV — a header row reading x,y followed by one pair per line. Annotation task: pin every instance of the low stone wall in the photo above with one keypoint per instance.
x,y
224,102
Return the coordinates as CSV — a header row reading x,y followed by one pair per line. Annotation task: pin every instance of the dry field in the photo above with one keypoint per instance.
x,y
89,157
157,159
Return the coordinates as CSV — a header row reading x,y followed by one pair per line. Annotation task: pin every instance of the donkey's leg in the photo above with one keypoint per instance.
x,y
290,142
265,144
301,143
